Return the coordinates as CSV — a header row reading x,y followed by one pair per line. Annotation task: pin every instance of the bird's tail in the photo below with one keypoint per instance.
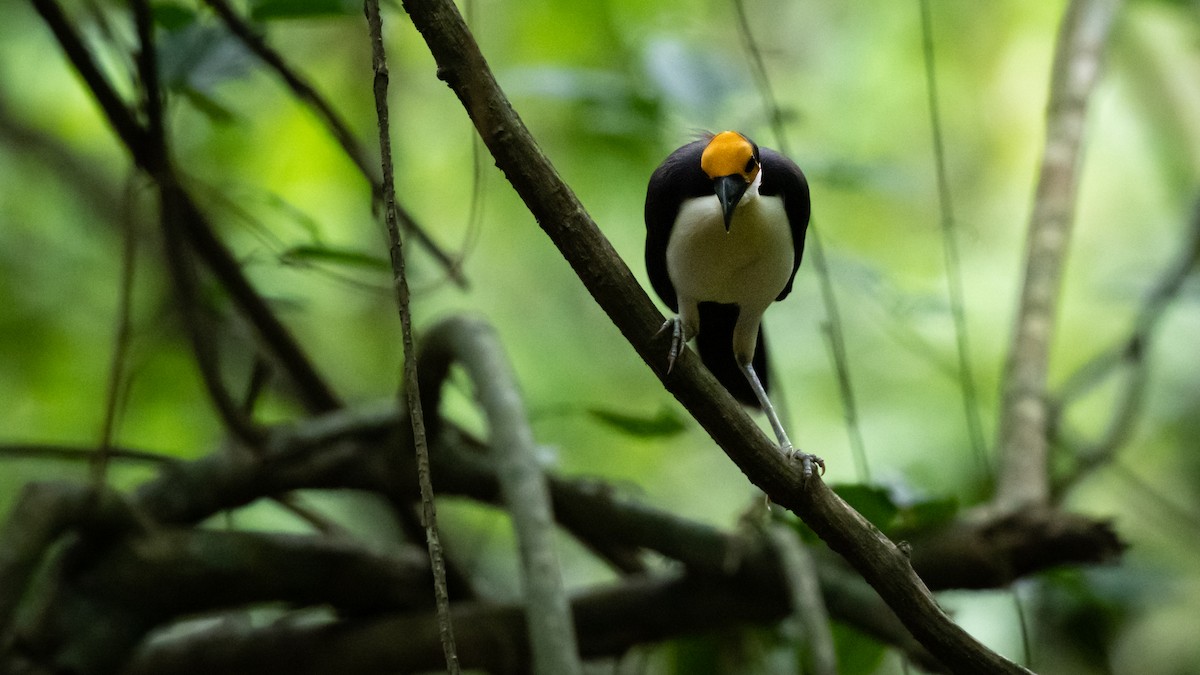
x,y
715,344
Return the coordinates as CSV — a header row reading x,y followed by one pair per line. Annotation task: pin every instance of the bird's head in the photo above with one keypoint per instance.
x,y
731,161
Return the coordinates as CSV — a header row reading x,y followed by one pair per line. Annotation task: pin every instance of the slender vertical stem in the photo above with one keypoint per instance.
x,y
125,286
808,605
954,281
116,371
832,329
833,323
400,279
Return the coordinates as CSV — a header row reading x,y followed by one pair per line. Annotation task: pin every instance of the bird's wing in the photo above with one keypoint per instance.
x,y
678,178
782,177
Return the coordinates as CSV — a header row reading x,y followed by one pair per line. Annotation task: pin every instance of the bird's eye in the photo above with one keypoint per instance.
x,y
750,165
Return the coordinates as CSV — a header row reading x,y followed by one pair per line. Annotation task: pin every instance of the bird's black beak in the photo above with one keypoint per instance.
x,y
729,191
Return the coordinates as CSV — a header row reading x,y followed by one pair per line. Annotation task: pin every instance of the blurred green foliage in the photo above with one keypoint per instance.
x,y
609,88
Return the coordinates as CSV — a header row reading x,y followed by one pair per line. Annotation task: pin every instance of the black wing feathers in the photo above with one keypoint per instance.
x,y
782,177
678,178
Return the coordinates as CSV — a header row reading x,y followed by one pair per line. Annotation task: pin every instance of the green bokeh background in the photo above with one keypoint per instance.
x,y
609,88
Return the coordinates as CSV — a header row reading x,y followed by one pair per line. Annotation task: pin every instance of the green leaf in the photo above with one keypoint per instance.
x,y
874,503
173,17
199,57
314,253
209,106
664,424
697,655
857,654
925,515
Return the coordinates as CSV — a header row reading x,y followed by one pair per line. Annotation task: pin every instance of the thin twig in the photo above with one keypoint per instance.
x,y
411,385
1130,356
832,327
119,116
338,127
278,340
954,281
157,164
1023,428
75,454
1157,502
954,277
116,371
1023,624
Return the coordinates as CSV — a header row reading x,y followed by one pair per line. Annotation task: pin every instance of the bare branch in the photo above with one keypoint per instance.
x,y
350,449
611,620
71,453
134,584
614,287
1023,428
122,119
997,552
551,629
157,163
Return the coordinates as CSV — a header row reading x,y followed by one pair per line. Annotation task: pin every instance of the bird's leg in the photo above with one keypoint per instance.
x,y
684,327
807,461
677,341
784,443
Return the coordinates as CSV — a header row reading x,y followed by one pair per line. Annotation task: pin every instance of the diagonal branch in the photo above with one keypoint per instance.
x,y
157,163
122,119
307,93
564,219
1023,428
1128,356
196,229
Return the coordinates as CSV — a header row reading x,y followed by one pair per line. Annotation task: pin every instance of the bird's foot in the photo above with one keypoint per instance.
x,y
676,326
810,465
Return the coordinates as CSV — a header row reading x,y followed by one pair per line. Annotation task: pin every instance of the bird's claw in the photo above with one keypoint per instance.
x,y
810,465
676,327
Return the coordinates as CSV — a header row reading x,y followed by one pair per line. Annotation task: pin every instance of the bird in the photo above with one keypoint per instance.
x,y
725,227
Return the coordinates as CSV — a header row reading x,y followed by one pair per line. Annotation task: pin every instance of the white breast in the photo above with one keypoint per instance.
x,y
749,265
